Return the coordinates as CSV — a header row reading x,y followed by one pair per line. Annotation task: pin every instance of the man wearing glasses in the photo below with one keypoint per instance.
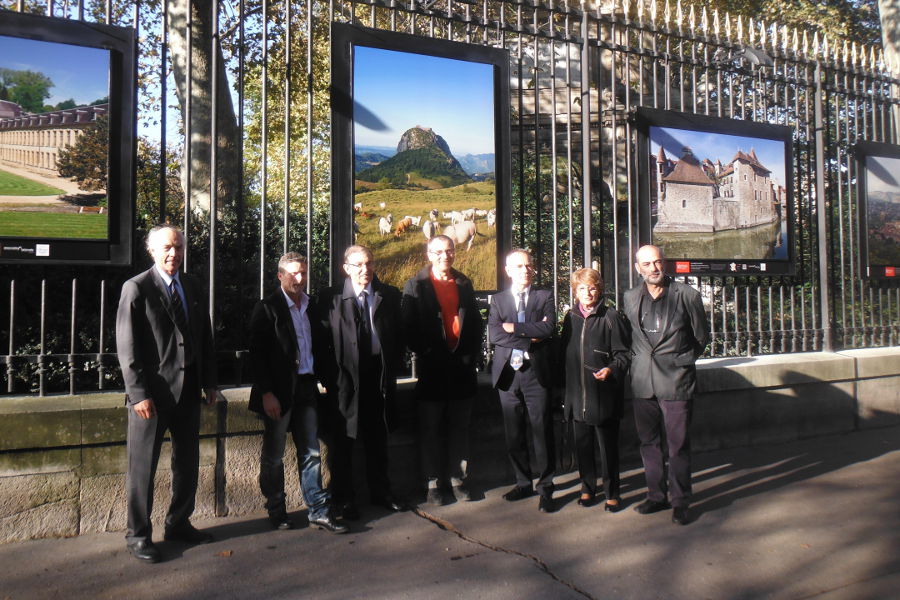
x,y
444,328
365,352
669,333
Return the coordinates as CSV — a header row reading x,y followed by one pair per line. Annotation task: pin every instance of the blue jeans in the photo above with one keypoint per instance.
x,y
302,421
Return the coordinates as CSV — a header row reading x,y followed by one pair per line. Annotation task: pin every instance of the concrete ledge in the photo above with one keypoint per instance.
x,y
62,458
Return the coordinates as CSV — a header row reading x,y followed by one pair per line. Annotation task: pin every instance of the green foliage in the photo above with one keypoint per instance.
x,y
26,88
86,161
426,163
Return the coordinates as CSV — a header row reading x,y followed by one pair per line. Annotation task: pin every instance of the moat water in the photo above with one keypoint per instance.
x,y
765,242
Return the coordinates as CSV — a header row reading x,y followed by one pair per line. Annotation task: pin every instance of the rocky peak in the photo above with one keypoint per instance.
x,y
422,137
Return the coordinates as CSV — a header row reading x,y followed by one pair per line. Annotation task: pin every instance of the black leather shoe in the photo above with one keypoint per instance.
x,y
518,493
680,515
462,492
390,503
649,507
585,501
144,550
329,524
281,521
188,534
434,497
613,507
349,511
546,505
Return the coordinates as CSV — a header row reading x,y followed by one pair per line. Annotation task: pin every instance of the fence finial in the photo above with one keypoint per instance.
x,y
704,19
653,11
740,28
679,14
667,14
728,26
716,22
795,44
692,19
815,43
626,8
751,31
805,44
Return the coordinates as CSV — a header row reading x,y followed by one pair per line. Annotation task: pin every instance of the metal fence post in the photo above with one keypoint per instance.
x,y
822,220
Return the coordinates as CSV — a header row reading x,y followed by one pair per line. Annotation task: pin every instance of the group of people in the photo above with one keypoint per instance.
x,y
350,341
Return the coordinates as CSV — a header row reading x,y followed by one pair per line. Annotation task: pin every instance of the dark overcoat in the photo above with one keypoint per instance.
x,y
340,314
599,339
442,373
540,325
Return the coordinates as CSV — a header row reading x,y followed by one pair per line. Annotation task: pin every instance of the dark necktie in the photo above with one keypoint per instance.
x,y
365,325
517,358
179,313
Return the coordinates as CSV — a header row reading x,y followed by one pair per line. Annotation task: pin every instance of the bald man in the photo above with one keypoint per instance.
x,y
669,333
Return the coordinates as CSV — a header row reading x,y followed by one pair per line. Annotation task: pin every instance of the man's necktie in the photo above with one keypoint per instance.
x,y
365,325
179,313
517,358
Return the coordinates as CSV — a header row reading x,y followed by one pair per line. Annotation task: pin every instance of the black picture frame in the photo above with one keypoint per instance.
x,y
878,202
346,107
719,209
116,248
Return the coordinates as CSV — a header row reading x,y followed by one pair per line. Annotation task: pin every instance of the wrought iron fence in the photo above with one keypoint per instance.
x,y
257,181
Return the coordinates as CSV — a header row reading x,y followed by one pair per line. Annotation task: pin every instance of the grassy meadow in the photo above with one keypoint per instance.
x,y
13,185
53,225
399,258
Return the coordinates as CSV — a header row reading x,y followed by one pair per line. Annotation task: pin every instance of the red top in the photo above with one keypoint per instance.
x,y
448,297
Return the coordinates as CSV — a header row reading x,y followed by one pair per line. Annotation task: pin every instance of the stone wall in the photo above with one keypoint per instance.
x,y
62,458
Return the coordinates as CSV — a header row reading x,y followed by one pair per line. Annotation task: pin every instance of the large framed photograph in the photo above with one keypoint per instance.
x,y
420,147
715,194
878,184
67,138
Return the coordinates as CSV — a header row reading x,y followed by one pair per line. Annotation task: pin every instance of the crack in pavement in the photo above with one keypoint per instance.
x,y
448,526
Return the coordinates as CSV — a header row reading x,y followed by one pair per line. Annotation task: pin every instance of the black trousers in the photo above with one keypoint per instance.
x,y
371,431
444,438
651,417
525,404
587,438
145,438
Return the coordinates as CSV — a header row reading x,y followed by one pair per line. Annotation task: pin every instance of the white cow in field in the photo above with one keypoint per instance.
x,y
429,229
462,233
433,215
384,224
455,216
491,217
381,205
413,220
481,212
468,214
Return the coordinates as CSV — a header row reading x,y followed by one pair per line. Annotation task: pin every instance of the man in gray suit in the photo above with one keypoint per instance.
x,y
165,348
669,333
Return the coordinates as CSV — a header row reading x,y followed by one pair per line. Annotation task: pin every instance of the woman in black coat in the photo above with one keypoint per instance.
x,y
597,357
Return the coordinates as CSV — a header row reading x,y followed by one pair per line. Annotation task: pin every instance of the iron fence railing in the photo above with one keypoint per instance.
x,y
250,77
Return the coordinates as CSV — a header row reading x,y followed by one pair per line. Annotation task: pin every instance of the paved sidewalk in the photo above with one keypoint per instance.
x,y
814,519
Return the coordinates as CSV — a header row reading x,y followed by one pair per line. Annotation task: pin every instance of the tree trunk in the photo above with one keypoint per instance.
x,y
199,123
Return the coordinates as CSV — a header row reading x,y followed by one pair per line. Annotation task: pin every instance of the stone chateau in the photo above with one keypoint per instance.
x,y
702,196
33,141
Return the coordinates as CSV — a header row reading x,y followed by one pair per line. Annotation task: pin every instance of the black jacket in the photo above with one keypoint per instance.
x,y
442,373
600,339
273,350
339,311
540,316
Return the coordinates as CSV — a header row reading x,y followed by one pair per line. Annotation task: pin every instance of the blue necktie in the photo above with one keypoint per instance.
x,y
517,358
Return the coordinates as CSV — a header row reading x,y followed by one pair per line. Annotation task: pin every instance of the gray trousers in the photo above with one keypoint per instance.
x,y
652,417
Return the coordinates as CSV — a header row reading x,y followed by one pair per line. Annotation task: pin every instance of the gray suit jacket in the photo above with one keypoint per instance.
x,y
667,370
150,345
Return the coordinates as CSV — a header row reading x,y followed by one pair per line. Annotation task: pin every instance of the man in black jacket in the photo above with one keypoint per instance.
x,y
444,328
365,349
669,333
521,324
282,340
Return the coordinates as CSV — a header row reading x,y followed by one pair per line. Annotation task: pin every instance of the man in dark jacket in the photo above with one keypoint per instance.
x,y
365,349
669,333
284,392
444,328
521,324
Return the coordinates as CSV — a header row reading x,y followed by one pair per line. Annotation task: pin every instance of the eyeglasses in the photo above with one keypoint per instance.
x,y
442,252
360,266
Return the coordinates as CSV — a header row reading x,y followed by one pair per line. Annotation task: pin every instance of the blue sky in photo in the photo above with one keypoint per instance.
x,y
453,97
720,146
77,72
883,177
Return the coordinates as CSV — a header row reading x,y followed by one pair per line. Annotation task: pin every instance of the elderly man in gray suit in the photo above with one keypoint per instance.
x,y
165,348
669,333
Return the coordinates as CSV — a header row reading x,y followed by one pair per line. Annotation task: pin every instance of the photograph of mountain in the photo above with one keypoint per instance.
x,y
424,161
883,210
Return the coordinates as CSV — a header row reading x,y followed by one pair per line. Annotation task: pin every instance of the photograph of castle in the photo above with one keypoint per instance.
x,y
424,148
54,140
717,196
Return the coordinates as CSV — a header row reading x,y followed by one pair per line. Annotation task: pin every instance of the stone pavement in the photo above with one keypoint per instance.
x,y
813,519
